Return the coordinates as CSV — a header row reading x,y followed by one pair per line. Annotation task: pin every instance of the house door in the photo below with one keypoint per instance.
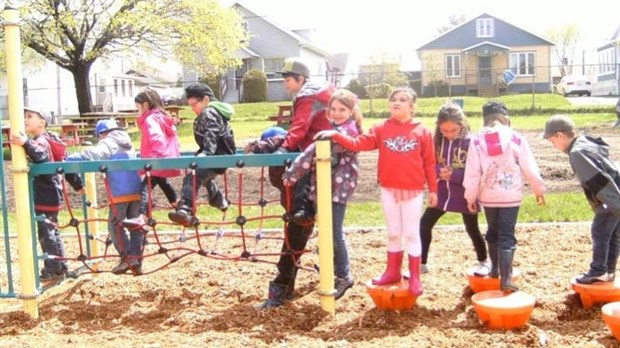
x,y
485,71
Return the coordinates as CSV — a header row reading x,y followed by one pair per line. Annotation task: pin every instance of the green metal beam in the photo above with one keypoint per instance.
x,y
224,161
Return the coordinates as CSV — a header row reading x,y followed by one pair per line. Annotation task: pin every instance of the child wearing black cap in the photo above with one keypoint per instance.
x,y
214,136
47,189
600,180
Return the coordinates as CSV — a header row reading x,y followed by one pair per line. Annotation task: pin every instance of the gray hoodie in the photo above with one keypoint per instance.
x,y
597,174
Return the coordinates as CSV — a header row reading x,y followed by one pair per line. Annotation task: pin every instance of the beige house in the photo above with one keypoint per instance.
x,y
486,57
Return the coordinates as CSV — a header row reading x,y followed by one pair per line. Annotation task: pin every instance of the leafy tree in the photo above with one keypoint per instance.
x,y
566,39
431,72
75,33
382,69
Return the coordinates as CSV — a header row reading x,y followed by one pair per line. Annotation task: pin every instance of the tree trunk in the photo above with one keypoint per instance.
x,y
81,74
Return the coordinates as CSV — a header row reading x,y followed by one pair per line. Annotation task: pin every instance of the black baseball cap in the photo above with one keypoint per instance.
x,y
199,91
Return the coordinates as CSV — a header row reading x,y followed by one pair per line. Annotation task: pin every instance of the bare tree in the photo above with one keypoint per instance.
x,y
453,21
566,40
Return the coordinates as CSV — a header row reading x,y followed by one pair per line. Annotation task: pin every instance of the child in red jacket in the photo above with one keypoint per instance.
x,y
406,164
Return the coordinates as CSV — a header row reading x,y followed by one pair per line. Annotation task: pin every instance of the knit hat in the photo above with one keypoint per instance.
x,y
295,66
558,123
44,114
199,91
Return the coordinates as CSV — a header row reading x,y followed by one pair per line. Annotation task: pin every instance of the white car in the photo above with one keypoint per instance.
x,y
578,85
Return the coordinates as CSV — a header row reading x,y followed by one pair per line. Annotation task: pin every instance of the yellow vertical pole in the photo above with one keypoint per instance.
x,y
20,164
326,244
93,214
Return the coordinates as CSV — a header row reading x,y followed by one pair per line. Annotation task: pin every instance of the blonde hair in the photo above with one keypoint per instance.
x,y
351,102
409,92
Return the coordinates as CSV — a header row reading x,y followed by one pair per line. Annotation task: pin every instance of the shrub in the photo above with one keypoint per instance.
x,y
254,87
355,86
212,80
381,90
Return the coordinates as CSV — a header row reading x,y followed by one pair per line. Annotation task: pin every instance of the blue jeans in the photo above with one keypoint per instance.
x,y
126,246
605,231
341,252
501,226
189,191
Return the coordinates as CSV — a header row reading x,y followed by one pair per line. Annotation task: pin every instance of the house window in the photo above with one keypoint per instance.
x,y
115,87
272,65
102,85
123,87
606,63
522,63
130,83
484,27
453,65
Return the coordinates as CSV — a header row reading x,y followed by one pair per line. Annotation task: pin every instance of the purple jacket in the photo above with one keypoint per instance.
x,y
451,193
345,167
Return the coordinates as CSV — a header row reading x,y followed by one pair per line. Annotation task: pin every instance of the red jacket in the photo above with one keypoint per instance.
x,y
309,116
159,140
406,153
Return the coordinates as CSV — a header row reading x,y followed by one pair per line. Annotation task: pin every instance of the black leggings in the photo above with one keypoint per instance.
x,y
163,184
430,218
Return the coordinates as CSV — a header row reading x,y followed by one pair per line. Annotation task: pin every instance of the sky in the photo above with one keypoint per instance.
x,y
399,27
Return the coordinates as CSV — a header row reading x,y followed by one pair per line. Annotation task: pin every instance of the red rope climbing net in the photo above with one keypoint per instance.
x,y
202,238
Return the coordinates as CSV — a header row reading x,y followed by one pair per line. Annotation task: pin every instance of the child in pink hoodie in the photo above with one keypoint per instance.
x,y
498,161
159,140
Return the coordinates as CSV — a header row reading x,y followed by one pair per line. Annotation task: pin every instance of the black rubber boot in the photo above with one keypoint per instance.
x,y
505,270
290,289
493,255
276,296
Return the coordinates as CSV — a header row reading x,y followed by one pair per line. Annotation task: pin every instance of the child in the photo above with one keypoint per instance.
x,y
345,117
158,140
214,136
599,177
497,161
115,144
452,139
309,117
47,189
406,163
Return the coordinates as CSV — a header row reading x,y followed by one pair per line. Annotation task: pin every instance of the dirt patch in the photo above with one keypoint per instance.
x,y
199,300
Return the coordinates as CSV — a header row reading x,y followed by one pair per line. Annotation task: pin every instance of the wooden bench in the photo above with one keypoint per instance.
x,y
6,136
284,116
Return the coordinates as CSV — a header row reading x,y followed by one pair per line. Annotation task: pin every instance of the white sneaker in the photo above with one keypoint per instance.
x,y
424,268
482,269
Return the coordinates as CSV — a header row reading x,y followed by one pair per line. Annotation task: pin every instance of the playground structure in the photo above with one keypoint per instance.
x,y
23,174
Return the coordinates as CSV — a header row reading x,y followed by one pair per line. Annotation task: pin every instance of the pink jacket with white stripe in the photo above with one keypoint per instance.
x,y
159,140
498,161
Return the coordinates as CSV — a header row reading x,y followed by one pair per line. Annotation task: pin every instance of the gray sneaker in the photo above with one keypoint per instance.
x,y
342,285
424,268
482,269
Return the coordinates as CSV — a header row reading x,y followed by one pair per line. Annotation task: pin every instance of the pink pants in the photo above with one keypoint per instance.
x,y
403,221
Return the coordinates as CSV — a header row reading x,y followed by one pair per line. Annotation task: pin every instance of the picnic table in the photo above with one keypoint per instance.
x,y
70,132
284,116
123,119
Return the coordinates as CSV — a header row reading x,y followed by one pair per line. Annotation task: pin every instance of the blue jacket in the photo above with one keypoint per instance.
x,y
124,184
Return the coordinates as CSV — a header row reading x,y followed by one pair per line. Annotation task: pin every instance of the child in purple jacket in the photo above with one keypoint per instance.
x,y
451,145
344,114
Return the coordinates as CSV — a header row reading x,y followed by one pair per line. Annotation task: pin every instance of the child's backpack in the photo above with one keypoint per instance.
x,y
57,147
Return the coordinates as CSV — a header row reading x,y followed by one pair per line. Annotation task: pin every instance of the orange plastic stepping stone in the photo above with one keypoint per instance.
x,y
611,317
503,311
601,292
393,296
478,284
